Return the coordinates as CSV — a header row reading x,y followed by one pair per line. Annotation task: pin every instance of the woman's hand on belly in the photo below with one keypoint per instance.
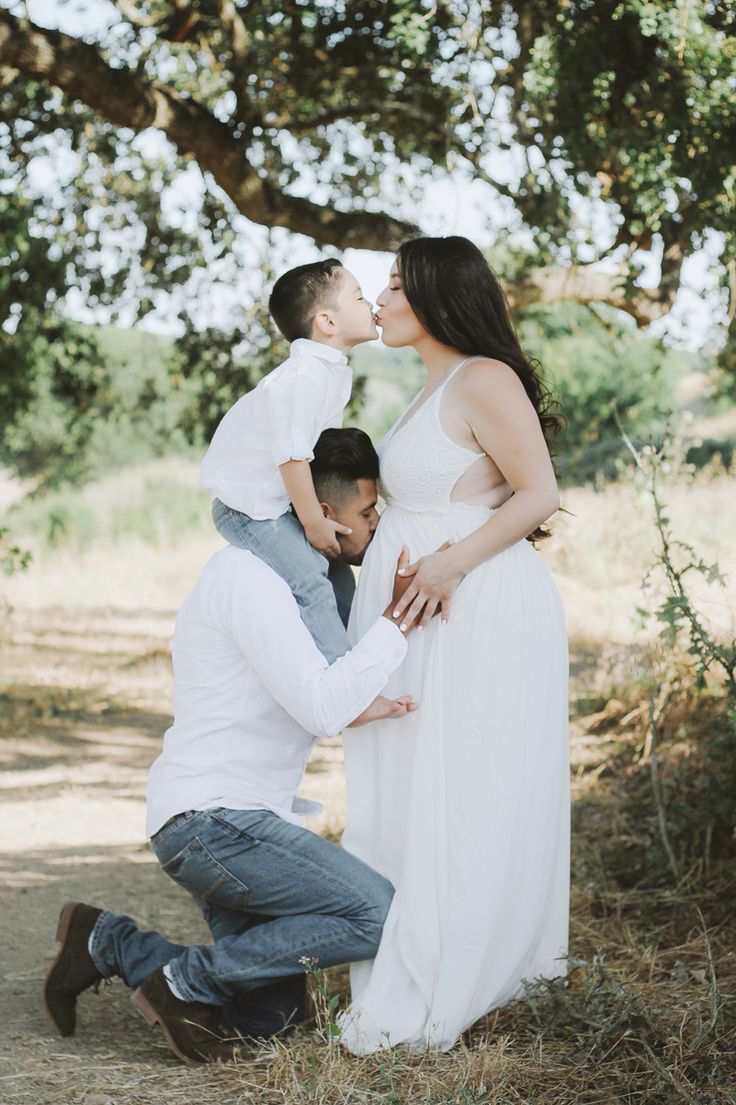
x,y
433,582
402,583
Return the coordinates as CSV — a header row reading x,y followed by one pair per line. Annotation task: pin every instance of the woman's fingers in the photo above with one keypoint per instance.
x,y
412,569
417,606
412,614
429,612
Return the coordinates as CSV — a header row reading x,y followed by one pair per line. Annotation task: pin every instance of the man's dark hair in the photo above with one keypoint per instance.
x,y
298,295
341,458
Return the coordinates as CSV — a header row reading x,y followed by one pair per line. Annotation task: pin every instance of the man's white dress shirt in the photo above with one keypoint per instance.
x,y
252,692
279,420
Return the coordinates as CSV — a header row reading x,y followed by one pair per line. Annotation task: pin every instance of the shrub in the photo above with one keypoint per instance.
x,y
596,364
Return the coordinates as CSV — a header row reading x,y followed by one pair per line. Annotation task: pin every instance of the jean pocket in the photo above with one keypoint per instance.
x,y
195,869
173,823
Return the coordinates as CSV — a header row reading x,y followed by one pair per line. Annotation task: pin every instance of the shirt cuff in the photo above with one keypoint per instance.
x,y
385,641
291,448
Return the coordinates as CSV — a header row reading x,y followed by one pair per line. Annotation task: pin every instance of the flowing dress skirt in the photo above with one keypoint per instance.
x,y
463,805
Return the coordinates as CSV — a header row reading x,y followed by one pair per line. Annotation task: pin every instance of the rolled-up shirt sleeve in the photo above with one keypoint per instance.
x,y
296,402
322,698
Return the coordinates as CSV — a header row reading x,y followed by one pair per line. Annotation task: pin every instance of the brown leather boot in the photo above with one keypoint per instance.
x,y
73,970
192,1029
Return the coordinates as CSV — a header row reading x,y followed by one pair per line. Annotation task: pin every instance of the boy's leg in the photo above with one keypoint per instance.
x,y
342,579
323,904
280,543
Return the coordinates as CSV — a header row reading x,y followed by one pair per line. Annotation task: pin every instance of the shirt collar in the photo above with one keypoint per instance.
x,y
317,349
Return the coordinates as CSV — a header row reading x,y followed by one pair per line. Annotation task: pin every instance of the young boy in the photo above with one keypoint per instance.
x,y
257,466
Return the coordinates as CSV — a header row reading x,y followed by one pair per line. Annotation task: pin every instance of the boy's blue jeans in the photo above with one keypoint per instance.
x,y
272,894
323,588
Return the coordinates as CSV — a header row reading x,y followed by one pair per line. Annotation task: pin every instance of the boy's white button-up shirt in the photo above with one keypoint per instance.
x,y
252,692
279,420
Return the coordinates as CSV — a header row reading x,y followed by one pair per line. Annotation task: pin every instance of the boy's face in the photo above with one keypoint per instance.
x,y
351,321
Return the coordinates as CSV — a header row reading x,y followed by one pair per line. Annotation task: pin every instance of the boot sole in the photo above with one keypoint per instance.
x,y
151,1014
62,931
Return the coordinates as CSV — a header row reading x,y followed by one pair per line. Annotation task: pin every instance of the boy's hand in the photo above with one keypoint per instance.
x,y
321,535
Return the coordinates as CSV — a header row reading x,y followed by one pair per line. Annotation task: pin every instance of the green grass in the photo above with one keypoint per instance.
x,y
157,503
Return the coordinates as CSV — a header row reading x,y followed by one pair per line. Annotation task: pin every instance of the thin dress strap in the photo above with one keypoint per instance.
x,y
414,409
456,369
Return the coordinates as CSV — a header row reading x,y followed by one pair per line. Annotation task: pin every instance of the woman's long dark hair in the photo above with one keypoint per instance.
x,y
457,298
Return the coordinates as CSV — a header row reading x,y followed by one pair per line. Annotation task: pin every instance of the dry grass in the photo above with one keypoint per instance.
x,y
602,549
648,1014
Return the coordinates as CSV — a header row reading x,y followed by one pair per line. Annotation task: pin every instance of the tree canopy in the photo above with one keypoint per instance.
x,y
603,130
302,114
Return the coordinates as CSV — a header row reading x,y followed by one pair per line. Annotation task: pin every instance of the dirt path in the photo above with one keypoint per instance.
x,y
81,719
83,706
74,767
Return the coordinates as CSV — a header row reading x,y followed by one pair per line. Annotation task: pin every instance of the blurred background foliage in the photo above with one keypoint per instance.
x,y
99,397
603,132
102,397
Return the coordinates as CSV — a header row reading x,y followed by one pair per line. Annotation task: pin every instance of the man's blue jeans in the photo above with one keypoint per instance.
x,y
323,588
272,894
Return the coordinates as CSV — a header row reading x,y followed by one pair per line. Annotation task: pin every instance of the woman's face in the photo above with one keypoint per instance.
x,y
399,325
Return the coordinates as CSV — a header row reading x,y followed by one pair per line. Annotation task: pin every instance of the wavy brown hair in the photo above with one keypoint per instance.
x,y
458,299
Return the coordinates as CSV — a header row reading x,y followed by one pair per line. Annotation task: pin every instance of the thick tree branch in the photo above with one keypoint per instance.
x,y
129,99
475,157
235,28
134,15
584,285
296,125
239,40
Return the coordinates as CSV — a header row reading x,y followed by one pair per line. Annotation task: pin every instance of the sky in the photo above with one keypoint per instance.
x,y
449,204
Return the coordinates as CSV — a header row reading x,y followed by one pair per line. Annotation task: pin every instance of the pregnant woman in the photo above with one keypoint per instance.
x,y
466,810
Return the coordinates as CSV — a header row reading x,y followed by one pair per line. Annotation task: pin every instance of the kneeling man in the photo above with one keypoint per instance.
x,y
251,693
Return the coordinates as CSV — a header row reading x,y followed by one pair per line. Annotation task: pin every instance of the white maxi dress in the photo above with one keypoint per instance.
x,y
464,804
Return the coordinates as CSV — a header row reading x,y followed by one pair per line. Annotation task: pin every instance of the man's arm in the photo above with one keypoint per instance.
x,y
262,616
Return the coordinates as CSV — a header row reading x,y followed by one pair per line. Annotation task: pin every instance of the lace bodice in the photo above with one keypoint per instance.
x,y
420,464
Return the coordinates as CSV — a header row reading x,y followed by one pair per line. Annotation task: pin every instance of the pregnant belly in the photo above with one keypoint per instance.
x,y
422,534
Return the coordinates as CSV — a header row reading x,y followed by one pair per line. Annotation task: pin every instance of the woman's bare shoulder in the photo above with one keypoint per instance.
x,y
485,377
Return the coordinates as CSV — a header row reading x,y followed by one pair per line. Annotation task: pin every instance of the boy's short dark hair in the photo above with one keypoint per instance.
x,y
341,458
299,294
